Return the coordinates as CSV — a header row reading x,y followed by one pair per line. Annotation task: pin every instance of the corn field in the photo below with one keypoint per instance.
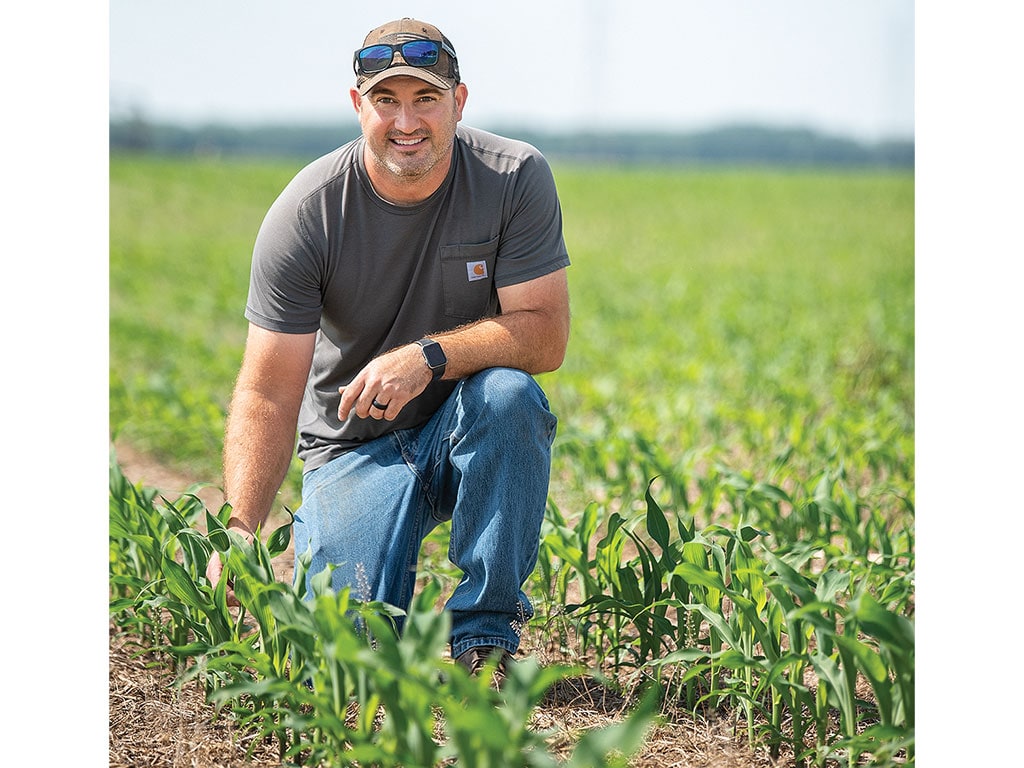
x,y
730,526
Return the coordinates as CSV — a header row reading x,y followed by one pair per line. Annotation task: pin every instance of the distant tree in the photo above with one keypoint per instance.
x,y
726,145
133,133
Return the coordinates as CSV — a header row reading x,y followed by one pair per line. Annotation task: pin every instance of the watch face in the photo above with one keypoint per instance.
x,y
434,354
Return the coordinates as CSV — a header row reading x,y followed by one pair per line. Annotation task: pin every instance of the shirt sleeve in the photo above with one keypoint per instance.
x,y
532,243
287,272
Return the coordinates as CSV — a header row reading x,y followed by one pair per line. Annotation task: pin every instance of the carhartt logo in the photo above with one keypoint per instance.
x,y
476,270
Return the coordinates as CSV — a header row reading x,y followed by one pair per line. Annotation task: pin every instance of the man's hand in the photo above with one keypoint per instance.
x,y
530,333
391,380
215,568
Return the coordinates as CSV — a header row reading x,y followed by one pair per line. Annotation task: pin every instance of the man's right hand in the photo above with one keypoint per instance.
x,y
215,568
259,439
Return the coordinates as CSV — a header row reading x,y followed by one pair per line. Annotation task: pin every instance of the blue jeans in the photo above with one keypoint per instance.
x,y
483,461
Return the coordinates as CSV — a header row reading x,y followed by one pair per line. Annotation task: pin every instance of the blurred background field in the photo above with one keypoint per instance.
x,y
752,318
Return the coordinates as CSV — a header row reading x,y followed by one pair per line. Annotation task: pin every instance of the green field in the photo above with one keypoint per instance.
x,y
742,347
738,316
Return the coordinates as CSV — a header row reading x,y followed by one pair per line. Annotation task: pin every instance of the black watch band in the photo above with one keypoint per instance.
x,y
434,356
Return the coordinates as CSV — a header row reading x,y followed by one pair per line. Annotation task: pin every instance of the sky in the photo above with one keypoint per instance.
x,y
840,66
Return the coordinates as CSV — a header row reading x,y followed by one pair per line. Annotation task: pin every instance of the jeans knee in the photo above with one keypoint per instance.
x,y
505,391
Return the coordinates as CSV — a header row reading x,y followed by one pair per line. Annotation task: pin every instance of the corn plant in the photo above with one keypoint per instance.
x,y
357,693
878,644
155,565
746,627
138,536
327,677
323,706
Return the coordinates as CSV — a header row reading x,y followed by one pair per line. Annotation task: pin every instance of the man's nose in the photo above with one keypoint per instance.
x,y
406,119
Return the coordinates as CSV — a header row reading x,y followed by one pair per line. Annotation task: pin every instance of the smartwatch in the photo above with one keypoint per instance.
x,y
434,356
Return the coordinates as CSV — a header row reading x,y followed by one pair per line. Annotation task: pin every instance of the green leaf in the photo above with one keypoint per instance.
x,y
217,533
749,533
892,629
796,583
837,688
869,661
696,575
657,526
181,584
772,492
279,539
175,522
628,584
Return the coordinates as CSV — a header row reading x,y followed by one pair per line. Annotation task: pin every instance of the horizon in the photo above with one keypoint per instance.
x,y
506,127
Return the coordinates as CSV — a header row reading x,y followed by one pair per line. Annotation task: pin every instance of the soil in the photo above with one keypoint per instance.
x,y
153,723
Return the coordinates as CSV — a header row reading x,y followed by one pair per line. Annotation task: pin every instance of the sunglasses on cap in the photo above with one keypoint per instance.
x,y
416,53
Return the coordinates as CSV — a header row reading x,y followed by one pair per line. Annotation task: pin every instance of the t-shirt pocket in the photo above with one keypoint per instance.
x,y
467,274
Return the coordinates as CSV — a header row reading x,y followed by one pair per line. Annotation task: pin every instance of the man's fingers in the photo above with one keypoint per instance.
x,y
378,409
370,406
385,386
214,573
349,397
213,570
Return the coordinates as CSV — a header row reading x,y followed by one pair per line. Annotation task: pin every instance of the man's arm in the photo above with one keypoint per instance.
x,y
531,334
260,434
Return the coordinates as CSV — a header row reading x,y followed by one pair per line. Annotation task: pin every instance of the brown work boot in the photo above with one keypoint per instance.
x,y
475,658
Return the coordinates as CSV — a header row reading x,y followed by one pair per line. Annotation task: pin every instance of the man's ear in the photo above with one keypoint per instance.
x,y
461,94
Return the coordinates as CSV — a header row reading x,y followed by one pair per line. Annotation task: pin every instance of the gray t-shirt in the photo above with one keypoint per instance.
x,y
368,275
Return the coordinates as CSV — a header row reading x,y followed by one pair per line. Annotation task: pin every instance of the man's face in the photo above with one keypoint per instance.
x,y
409,126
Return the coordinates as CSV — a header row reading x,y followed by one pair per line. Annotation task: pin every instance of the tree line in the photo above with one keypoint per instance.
x,y
726,145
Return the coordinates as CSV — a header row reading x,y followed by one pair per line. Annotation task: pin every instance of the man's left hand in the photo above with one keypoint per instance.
x,y
383,388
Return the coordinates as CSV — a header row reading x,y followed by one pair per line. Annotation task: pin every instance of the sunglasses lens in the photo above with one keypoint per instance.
x,y
376,58
420,53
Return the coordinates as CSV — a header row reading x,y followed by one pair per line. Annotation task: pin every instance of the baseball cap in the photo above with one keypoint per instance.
x,y
440,70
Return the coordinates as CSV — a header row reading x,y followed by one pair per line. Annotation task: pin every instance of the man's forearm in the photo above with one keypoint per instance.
x,y
530,334
258,445
531,340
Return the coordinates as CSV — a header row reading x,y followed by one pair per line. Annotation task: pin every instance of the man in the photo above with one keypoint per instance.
x,y
404,289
